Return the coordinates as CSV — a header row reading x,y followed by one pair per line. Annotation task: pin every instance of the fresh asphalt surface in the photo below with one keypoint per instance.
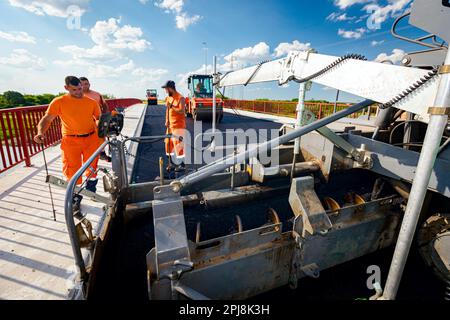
x,y
123,271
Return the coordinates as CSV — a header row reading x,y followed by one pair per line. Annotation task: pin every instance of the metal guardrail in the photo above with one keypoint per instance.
x,y
119,167
18,126
68,213
121,103
289,109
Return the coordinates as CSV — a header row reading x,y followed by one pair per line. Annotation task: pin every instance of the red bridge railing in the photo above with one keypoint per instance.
x,y
288,109
18,126
121,103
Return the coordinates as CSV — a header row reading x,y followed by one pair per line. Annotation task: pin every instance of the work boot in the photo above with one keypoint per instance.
x,y
170,168
91,185
170,175
105,157
180,168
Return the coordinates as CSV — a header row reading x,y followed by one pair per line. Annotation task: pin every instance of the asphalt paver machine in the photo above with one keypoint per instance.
x,y
240,226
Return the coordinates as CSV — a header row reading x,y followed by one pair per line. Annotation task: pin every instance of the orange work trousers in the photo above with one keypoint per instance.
x,y
174,146
76,151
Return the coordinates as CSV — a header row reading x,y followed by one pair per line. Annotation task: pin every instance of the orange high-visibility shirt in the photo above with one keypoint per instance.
x,y
175,119
77,115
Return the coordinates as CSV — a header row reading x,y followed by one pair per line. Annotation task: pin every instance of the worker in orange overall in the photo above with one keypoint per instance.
x,y
176,125
94,95
78,115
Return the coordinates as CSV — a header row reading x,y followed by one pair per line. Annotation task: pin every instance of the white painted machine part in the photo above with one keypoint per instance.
x,y
372,80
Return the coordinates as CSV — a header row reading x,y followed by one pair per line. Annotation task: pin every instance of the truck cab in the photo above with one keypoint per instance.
x,y
199,103
152,97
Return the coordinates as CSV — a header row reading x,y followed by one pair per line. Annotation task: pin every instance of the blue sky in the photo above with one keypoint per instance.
x,y
127,46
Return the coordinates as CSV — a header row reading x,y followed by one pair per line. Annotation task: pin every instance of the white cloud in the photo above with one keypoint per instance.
x,y
380,14
102,30
336,16
131,77
149,73
343,4
57,8
149,77
375,43
22,58
182,19
352,34
239,58
362,17
171,5
107,58
395,57
110,40
73,63
110,34
285,47
128,37
254,54
97,52
143,1
17,36
106,71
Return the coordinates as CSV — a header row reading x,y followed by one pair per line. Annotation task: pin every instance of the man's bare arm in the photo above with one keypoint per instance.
x,y
42,127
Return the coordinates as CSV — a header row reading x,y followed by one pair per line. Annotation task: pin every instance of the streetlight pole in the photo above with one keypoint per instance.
x,y
206,57
336,101
298,123
214,108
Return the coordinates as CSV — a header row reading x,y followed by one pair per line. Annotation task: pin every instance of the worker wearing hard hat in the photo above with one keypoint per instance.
x,y
176,125
94,95
78,115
